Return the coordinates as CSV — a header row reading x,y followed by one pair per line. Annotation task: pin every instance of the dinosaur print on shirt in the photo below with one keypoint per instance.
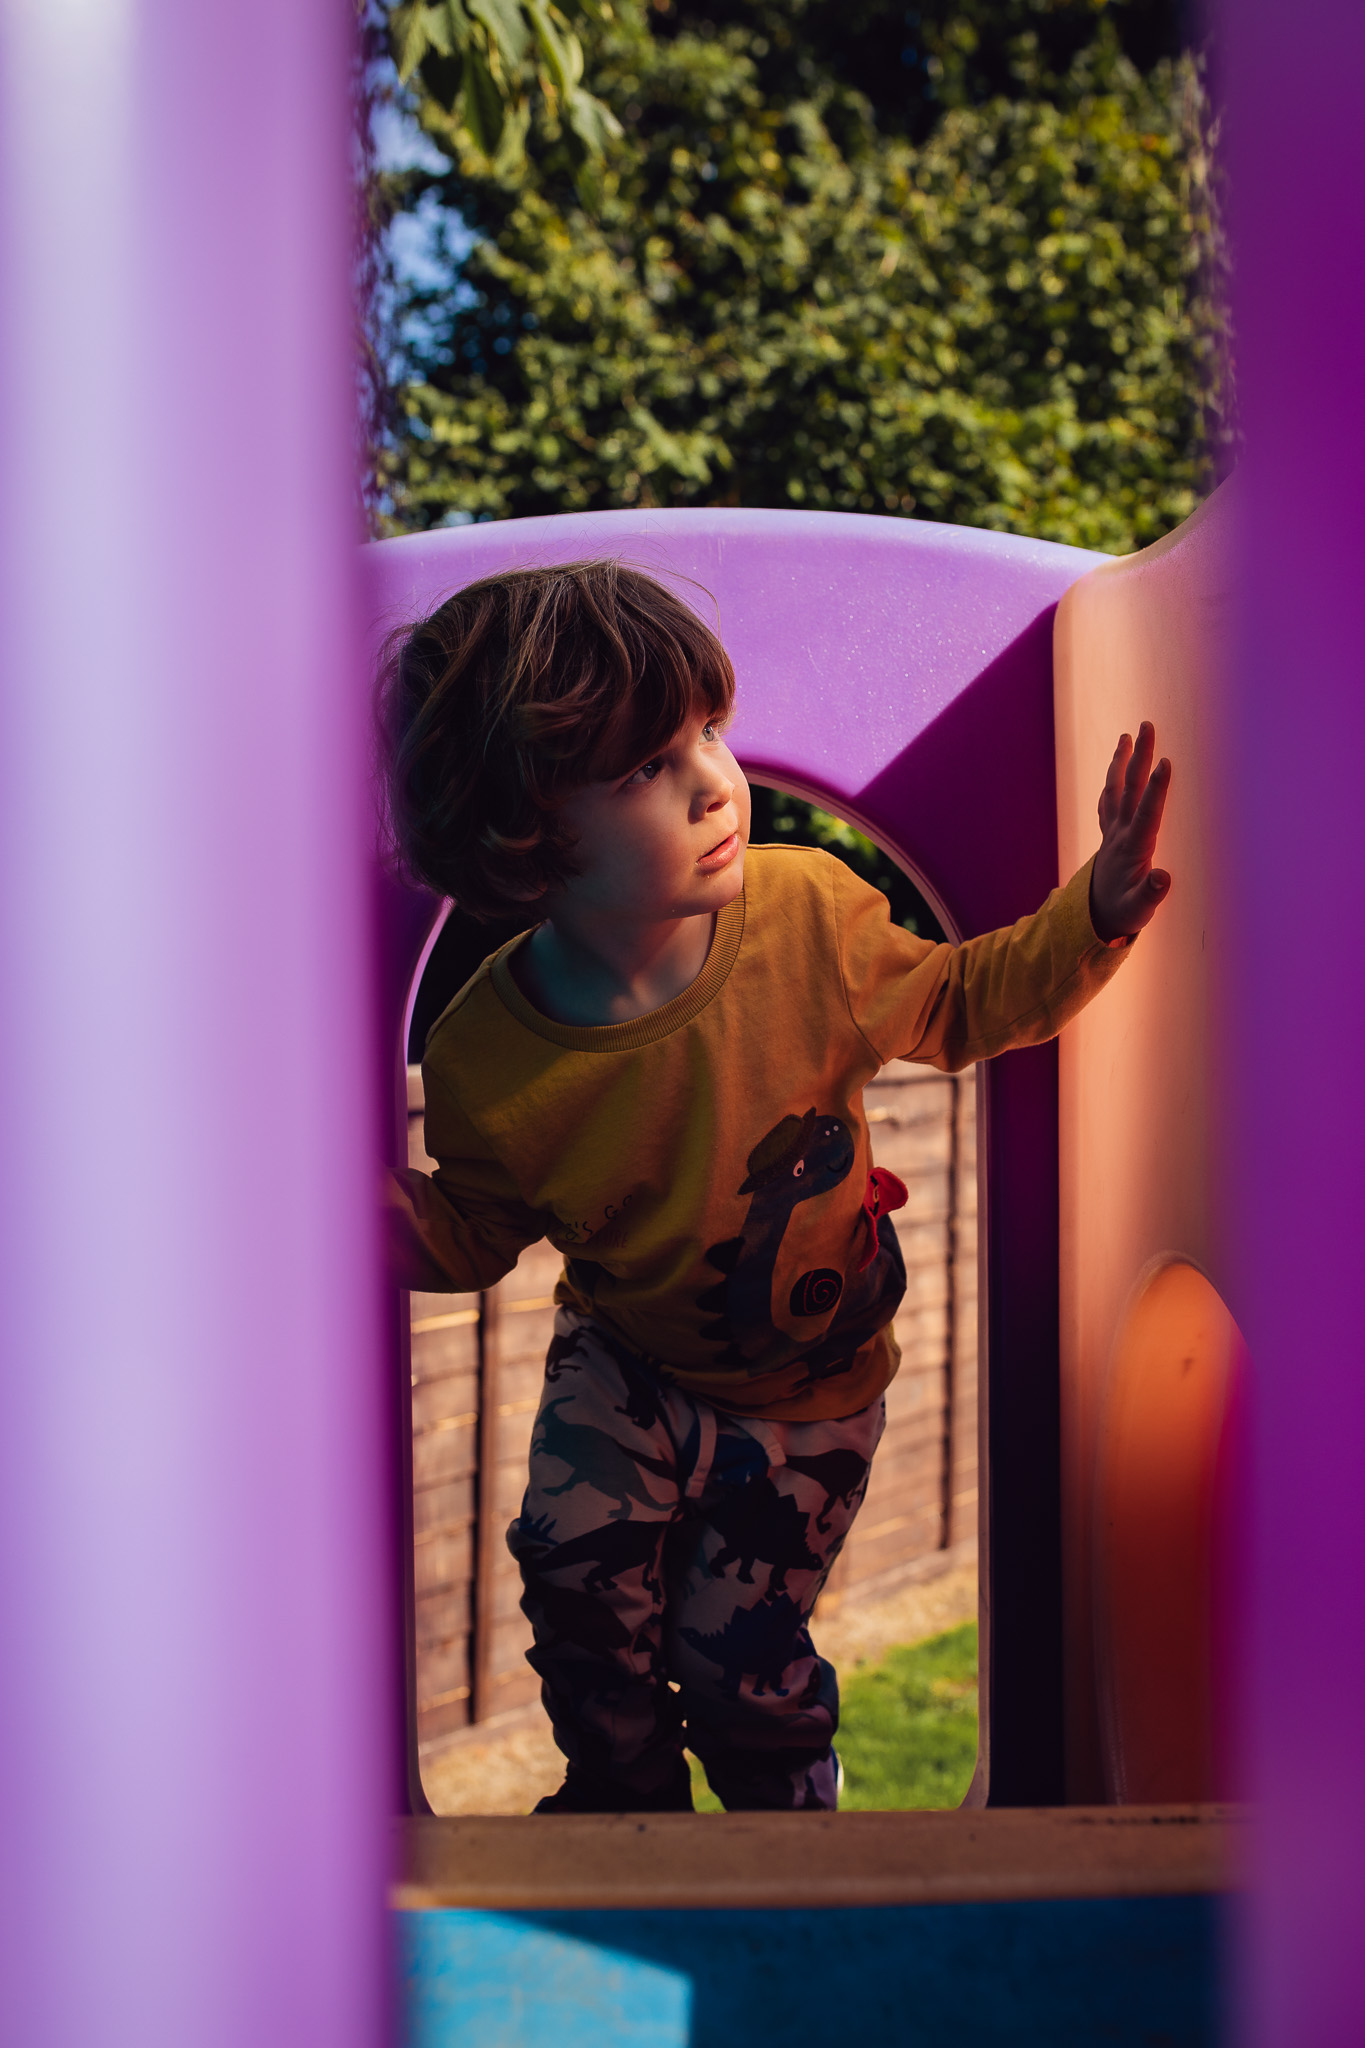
x,y
799,1159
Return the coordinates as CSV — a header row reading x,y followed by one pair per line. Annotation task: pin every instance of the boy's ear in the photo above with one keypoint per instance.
x,y
774,1156
525,898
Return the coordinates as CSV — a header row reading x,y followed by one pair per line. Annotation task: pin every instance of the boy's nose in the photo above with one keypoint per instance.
x,y
716,793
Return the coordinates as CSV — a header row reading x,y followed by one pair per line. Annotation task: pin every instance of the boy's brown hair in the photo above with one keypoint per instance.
x,y
517,691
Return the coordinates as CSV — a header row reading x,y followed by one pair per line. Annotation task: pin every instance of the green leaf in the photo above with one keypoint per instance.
x,y
573,49
409,31
562,56
484,112
511,156
507,26
592,121
438,28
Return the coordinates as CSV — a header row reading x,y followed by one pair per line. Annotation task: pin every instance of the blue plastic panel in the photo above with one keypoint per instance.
x,y
1125,1973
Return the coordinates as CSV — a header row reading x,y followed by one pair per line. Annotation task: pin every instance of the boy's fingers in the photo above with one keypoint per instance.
x,y
1152,804
1114,780
1139,767
1112,794
1143,749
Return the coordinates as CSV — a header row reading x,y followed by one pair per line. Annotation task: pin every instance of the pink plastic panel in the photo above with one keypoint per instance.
x,y
903,672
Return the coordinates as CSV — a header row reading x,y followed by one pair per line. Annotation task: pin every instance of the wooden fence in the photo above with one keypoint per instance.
x,y
477,1362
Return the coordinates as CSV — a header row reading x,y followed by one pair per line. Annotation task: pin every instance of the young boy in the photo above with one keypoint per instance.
x,y
664,1077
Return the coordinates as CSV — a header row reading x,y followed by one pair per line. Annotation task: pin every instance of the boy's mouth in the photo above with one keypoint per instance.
x,y
720,856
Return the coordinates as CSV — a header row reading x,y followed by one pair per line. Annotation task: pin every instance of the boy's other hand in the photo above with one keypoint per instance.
x,y
1125,889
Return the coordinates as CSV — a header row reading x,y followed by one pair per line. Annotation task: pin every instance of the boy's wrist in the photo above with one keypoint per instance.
x,y
1101,926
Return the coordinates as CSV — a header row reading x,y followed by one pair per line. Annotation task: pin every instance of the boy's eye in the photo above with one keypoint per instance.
x,y
644,774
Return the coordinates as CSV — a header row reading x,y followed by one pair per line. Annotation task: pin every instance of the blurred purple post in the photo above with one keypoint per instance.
x,y
194,1739
1297,1095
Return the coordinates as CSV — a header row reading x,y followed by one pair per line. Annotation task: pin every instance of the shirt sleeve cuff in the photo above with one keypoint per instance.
x,y
1080,927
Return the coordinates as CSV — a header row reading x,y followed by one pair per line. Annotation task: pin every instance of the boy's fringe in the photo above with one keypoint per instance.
x,y
513,693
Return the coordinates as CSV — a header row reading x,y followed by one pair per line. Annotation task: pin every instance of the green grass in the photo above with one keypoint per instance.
x,y
907,1728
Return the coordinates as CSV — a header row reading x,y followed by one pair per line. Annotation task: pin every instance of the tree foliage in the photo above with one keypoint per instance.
x,y
479,64
911,64
983,292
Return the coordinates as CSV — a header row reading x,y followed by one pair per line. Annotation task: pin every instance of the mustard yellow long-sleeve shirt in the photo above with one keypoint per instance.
x,y
706,1169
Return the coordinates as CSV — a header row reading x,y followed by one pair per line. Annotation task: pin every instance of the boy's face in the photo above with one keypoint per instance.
x,y
665,841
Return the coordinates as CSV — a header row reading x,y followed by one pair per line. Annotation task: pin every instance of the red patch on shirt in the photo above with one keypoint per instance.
x,y
883,1193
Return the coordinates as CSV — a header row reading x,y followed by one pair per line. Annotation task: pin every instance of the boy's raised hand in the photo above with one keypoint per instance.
x,y
1125,888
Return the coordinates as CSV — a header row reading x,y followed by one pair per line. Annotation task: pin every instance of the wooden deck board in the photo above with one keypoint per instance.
x,y
815,1859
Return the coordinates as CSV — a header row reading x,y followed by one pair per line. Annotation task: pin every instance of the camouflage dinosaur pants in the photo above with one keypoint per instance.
x,y
671,1556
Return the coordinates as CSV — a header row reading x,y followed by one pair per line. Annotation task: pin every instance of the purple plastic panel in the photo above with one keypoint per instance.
x,y
1297,1081
195,1538
902,672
